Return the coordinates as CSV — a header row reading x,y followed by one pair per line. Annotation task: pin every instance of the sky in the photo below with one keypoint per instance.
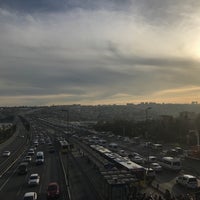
x,y
99,52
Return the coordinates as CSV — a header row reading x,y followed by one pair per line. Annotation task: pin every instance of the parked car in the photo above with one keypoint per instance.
x,y
30,196
53,190
34,180
188,181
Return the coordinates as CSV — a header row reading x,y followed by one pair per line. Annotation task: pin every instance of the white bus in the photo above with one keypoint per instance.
x,y
171,163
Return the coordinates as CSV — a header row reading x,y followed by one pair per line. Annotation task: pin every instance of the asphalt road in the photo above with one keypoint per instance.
x,y
14,186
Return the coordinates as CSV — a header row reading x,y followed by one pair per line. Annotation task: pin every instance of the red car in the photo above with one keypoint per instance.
x,y
53,190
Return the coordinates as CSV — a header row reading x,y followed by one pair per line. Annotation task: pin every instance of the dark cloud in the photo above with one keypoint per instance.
x,y
97,51
32,6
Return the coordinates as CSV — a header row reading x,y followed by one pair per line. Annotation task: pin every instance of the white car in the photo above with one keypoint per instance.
x,y
34,180
6,154
188,181
156,167
30,196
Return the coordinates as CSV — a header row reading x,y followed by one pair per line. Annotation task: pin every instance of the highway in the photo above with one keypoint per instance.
x,y
165,179
14,186
77,178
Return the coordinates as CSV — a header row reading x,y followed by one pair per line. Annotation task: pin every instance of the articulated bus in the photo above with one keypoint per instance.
x,y
65,146
124,163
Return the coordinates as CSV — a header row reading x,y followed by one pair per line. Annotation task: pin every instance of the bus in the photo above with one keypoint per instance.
x,y
65,146
170,163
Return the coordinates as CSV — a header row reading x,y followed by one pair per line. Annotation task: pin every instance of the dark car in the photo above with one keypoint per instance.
x,y
23,168
53,190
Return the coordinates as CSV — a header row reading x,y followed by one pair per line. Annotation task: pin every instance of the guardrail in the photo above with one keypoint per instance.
x,y
68,196
13,158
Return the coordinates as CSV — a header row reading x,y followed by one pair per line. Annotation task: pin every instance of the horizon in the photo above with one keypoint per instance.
x,y
125,104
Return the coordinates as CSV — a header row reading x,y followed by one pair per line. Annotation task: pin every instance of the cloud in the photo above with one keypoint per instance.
x,y
96,52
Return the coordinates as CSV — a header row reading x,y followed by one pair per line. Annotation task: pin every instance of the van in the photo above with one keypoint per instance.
x,y
23,168
188,181
39,158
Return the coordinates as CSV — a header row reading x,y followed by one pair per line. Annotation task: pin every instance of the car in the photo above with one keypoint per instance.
x,y
23,168
156,167
150,159
133,154
6,154
53,190
138,159
188,181
31,152
42,141
27,159
122,153
33,148
30,196
34,180
150,173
